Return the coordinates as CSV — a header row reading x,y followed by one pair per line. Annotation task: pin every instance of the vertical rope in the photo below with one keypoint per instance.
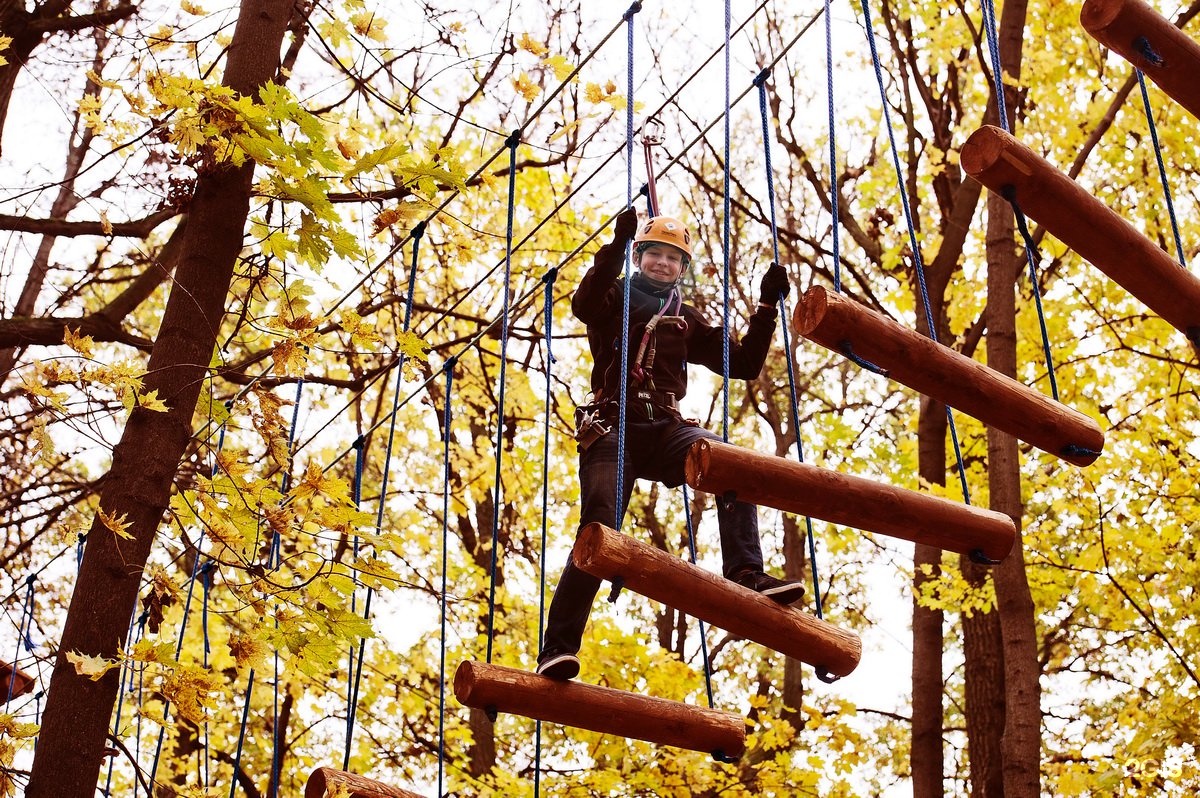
x,y
418,232
918,265
761,83
548,324
725,242
449,369
1031,257
691,538
623,383
498,494
23,635
1162,168
237,756
352,681
206,577
835,221
125,671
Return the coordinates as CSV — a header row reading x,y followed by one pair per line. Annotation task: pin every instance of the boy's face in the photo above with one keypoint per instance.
x,y
661,262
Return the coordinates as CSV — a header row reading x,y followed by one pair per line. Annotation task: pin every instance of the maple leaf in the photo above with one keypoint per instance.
x,y
93,667
82,344
117,524
529,44
150,401
191,689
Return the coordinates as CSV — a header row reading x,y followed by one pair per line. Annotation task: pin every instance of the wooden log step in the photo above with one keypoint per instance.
x,y
805,489
330,783
1086,225
600,709
1149,41
607,554
846,326
15,679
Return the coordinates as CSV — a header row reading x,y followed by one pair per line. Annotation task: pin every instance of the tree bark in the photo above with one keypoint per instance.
x,y
138,486
1021,741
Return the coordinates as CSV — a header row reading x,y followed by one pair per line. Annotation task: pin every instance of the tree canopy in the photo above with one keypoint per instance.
x,y
289,374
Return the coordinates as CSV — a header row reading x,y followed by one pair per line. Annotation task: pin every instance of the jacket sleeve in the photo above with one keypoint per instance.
x,y
597,295
746,356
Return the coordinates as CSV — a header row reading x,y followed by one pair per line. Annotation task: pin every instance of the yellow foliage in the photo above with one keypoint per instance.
x,y
191,689
117,524
91,666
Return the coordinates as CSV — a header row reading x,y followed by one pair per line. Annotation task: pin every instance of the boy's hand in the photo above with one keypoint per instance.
x,y
626,225
774,285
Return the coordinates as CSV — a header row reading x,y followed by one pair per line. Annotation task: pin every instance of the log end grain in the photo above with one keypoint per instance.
x,y
983,149
1096,15
810,310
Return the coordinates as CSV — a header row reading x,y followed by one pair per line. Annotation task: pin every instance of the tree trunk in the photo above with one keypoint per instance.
x,y
1021,742
138,486
927,677
983,658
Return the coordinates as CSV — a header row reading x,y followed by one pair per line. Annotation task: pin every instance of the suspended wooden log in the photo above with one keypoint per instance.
x,y
1086,225
851,501
1150,42
607,554
328,783
14,679
496,688
908,357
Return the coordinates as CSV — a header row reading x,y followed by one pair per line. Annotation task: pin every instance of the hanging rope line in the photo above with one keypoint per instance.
x,y
23,637
836,219
623,383
691,539
352,681
418,232
761,82
1031,250
1158,156
498,494
448,369
548,339
725,244
918,265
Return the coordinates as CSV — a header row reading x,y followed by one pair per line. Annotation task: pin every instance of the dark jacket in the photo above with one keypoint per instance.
x,y
597,303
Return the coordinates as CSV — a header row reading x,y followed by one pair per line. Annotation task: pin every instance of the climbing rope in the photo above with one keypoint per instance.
x,y
691,540
548,339
448,369
761,82
918,265
725,243
513,141
1158,156
623,383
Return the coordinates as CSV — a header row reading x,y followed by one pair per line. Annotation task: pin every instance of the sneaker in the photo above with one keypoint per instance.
x,y
778,590
559,667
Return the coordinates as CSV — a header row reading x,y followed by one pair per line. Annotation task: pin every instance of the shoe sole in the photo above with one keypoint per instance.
x,y
562,668
785,594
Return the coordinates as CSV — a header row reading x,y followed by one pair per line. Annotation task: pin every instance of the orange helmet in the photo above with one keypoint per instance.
x,y
665,230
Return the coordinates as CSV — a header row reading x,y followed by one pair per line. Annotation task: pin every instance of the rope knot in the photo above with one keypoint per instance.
x,y
760,79
513,139
1143,46
633,9
418,230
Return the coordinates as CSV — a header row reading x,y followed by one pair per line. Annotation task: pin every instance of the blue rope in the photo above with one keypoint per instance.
x,y
23,635
513,141
352,681
1162,167
989,28
80,544
449,369
548,323
1031,258
761,83
122,690
989,24
237,756
833,190
725,240
918,265
623,383
691,538
417,233
207,581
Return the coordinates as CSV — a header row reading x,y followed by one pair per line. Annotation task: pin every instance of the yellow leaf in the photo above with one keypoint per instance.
x,y
191,690
105,224
526,87
80,343
150,401
117,524
194,9
531,45
91,666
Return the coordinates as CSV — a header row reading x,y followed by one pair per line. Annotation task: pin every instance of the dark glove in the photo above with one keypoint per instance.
x,y
774,285
627,222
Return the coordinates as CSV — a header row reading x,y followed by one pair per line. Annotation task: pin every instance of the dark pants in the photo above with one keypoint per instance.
x,y
654,450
